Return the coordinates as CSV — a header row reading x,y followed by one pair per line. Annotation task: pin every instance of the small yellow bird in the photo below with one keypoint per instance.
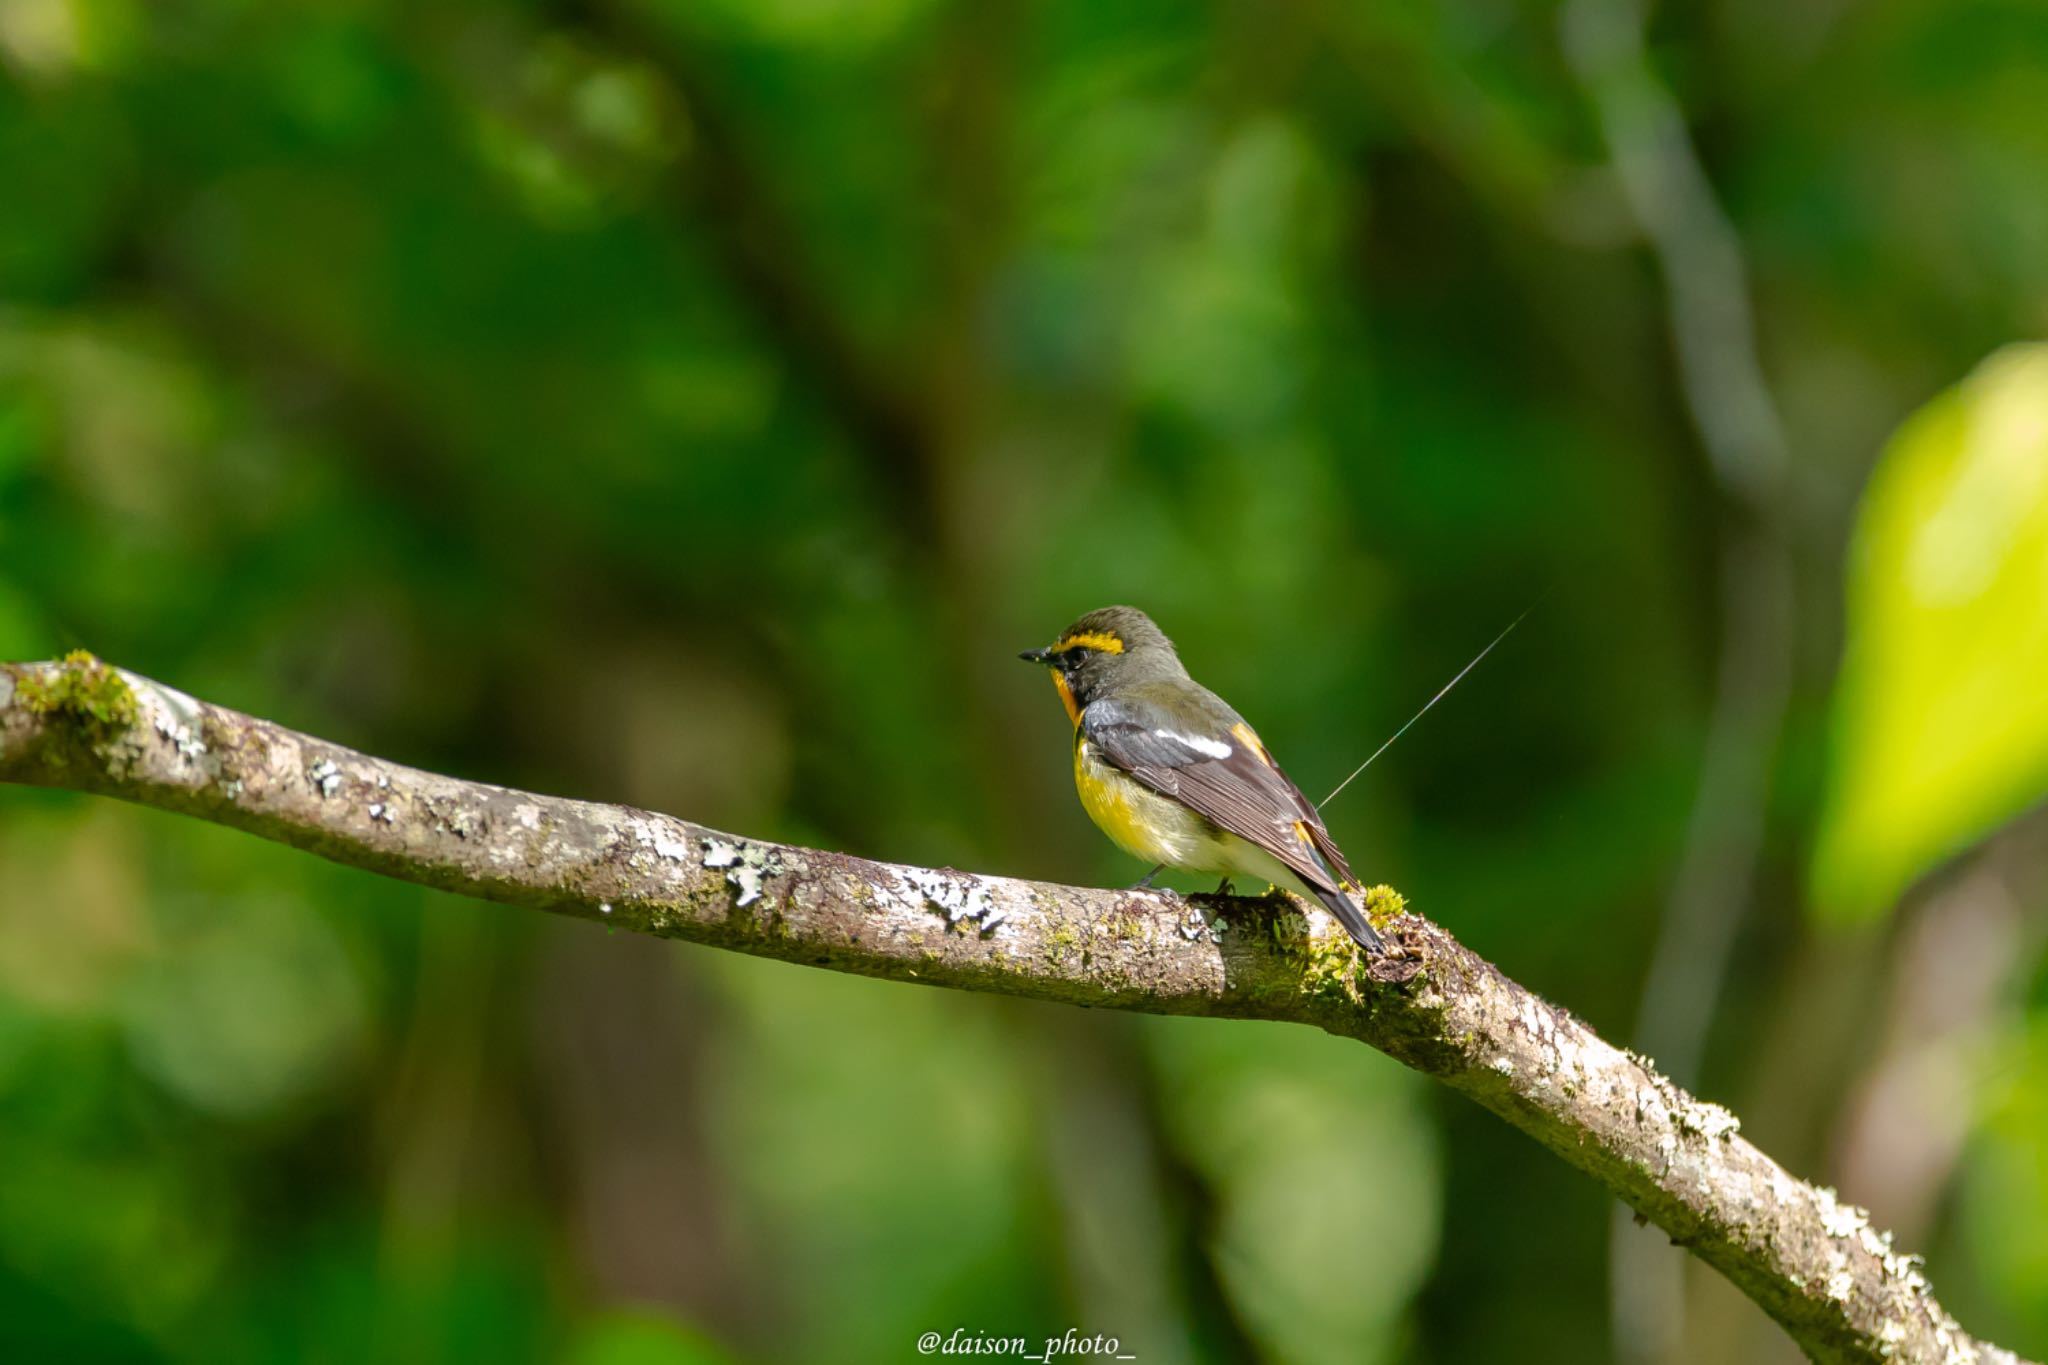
x,y
1173,775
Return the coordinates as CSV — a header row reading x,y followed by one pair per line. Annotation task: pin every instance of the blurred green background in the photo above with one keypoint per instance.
x,y
698,405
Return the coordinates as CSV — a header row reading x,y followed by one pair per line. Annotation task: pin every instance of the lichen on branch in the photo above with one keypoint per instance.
x,y
1835,1283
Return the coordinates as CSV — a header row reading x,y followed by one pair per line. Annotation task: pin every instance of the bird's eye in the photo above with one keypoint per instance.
x,y
1073,658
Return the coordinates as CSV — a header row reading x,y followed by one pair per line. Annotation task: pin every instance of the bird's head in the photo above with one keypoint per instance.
x,y
1104,650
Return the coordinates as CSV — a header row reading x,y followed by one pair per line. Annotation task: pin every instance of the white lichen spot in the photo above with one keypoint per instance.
x,y
179,732
325,775
383,783
1504,1066
1197,927
232,789
604,907
1842,1220
380,812
173,715
958,898
526,815
1708,1120
1840,1286
746,865
747,878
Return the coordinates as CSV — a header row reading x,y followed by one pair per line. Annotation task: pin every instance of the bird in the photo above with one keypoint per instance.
x,y
1176,777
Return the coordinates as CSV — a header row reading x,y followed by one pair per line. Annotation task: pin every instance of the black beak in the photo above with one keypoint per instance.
x,y
1035,656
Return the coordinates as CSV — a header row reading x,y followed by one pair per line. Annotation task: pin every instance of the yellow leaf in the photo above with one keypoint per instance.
x,y
1941,710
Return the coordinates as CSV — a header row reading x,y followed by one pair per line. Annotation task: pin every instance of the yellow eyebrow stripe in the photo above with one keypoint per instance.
x,y
1091,639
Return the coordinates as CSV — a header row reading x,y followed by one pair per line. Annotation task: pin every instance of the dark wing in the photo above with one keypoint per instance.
x,y
1213,764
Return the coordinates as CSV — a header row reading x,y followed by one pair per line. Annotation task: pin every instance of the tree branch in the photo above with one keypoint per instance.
x,y
1812,1263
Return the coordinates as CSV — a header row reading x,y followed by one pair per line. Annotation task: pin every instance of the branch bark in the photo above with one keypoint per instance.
x,y
1814,1264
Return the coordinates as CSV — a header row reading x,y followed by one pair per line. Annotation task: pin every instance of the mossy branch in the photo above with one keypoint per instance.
x,y
1816,1265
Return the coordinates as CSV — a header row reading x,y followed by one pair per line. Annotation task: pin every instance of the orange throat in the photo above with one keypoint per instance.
x,y
1059,682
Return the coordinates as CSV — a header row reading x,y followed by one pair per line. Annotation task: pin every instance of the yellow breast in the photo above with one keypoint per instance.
x,y
1139,820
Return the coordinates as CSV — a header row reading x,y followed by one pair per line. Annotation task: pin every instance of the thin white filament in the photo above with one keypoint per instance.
x,y
1426,705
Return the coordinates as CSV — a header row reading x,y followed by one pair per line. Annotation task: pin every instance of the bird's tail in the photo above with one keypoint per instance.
x,y
1352,918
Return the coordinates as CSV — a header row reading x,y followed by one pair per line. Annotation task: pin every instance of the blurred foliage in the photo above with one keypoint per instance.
x,y
2005,1187
1948,610
698,405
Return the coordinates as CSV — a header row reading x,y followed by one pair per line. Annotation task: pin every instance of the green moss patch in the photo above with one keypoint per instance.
x,y
82,689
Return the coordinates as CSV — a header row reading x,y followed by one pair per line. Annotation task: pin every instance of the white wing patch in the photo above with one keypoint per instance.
x,y
1214,748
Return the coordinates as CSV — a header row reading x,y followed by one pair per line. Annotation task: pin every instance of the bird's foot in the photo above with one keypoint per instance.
x,y
1144,883
1223,887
